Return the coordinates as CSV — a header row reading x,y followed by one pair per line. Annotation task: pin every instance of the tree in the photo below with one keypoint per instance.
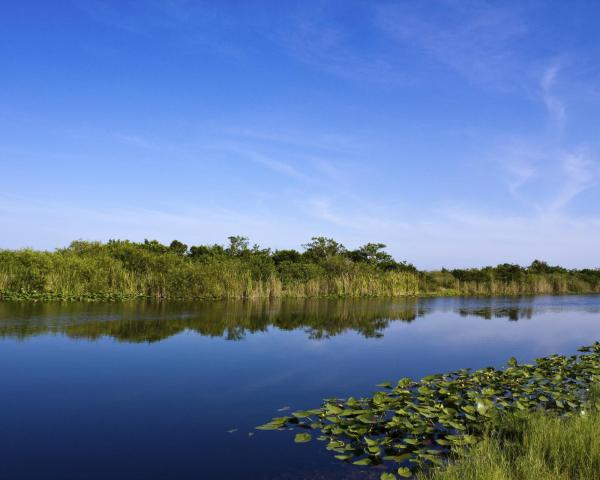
x,y
82,247
238,246
154,246
507,272
321,249
286,256
203,251
538,266
178,248
371,253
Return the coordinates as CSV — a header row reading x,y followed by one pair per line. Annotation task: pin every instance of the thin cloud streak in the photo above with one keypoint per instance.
x,y
267,161
545,178
580,174
463,237
475,39
556,108
59,223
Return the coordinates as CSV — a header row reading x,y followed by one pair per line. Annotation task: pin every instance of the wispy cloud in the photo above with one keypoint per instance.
x,y
580,173
143,17
547,162
231,148
136,141
451,236
321,208
319,35
458,236
521,161
274,164
193,25
543,176
107,14
556,107
476,39
57,223
520,175
329,141
250,153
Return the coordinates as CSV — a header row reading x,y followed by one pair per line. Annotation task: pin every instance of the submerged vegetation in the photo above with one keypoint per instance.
x,y
416,425
121,269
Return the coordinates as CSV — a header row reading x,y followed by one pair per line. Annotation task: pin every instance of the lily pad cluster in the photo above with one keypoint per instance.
x,y
415,423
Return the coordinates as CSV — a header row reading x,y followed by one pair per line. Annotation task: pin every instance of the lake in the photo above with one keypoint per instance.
x,y
154,391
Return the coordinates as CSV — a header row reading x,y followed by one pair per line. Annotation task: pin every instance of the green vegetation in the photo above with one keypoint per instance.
x,y
531,446
539,278
417,424
119,270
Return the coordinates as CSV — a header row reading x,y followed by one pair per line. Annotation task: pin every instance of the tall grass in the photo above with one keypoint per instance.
x,y
32,274
533,447
555,283
121,269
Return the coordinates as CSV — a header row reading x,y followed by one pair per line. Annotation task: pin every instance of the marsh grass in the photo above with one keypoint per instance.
x,y
66,275
532,446
120,270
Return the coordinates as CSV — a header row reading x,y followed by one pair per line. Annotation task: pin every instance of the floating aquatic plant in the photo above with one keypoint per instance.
x,y
415,423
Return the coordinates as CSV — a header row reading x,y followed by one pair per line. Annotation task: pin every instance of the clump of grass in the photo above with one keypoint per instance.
x,y
533,446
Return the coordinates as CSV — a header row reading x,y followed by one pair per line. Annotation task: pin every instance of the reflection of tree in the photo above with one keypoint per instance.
x,y
512,313
148,322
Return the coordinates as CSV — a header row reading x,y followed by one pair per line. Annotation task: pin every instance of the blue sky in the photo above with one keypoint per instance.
x,y
460,133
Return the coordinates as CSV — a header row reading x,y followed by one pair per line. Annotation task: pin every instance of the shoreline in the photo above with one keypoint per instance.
x,y
37,297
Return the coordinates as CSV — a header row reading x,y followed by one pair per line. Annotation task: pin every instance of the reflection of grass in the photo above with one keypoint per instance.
x,y
533,447
148,322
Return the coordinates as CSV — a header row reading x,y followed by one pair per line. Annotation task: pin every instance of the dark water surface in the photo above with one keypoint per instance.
x,y
146,391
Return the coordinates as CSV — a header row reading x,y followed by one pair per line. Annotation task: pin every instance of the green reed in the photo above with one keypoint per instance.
x,y
119,270
532,446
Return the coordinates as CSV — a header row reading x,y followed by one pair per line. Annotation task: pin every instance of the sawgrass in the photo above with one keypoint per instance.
x,y
534,446
120,270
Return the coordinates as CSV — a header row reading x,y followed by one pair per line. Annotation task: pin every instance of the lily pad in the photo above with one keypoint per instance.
x,y
416,423
302,437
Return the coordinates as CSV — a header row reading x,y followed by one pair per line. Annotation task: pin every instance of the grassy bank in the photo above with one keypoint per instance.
x,y
532,446
119,270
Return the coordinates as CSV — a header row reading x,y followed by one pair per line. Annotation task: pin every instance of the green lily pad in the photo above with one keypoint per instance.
x,y
443,411
302,437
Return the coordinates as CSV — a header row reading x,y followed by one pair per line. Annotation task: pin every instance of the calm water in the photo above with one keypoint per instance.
x,y
142,391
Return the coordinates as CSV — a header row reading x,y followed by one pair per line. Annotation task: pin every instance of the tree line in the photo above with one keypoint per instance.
x,y
120,269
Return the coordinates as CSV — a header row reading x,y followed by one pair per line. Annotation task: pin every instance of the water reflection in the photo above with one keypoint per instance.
x,y
321,319
512,313
152,322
